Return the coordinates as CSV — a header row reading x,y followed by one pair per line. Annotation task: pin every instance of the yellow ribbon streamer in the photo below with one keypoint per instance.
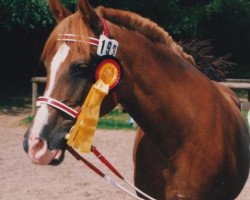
x,y
82,133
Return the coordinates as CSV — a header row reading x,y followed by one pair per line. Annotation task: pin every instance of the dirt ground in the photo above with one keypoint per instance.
x,y
20,180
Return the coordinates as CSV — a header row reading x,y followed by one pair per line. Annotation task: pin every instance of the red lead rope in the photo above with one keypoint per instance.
x,y
107,178
91,166
106,162
78,157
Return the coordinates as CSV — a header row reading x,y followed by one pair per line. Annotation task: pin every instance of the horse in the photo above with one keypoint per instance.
x,y
196,143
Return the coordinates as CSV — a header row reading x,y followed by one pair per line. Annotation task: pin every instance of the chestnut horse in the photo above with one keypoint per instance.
x,y
196,144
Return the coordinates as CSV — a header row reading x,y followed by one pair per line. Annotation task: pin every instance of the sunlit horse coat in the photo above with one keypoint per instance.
x,y
196,143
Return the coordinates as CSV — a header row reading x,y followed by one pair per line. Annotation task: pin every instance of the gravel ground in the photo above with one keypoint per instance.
x,y
20,180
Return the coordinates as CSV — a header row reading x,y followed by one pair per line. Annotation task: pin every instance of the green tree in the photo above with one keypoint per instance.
x,y
26,24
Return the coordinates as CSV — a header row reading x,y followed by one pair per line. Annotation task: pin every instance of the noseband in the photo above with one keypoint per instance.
x,y
58,105
63,107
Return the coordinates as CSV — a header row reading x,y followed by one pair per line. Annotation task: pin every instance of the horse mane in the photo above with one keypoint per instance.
x,y
146,27
131,21
68,25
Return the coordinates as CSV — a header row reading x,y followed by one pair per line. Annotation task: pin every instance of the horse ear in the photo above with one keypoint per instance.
x,y
58,10
90,16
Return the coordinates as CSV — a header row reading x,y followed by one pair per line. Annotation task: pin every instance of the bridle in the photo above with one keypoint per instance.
x,y
100,43
75,38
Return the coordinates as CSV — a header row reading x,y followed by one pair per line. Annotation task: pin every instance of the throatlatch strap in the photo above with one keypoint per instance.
x,y
105,27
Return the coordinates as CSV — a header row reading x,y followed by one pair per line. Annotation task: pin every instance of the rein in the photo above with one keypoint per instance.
x,y
107,178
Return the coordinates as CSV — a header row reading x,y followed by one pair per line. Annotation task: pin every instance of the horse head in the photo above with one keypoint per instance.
x,y
70,71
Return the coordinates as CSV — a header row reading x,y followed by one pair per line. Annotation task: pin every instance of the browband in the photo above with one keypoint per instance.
x,y
78,38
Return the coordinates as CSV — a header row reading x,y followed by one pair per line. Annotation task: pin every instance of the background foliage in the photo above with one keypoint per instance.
x,y
25,25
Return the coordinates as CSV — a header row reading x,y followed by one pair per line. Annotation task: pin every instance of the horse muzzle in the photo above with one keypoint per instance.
x,y
44,141
39,152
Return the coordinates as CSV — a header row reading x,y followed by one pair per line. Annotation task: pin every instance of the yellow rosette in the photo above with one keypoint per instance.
x,y
82,133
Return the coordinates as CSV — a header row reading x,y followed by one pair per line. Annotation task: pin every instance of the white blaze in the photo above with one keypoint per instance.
x,y
41,118
58,59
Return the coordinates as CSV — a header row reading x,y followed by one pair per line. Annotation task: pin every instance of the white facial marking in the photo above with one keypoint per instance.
x,y
41,118
58,59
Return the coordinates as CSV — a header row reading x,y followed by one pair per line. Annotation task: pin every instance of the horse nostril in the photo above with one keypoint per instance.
x,y
37,147
38,143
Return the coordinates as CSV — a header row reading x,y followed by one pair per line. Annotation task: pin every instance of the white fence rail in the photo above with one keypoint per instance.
x,y
35,81
242,84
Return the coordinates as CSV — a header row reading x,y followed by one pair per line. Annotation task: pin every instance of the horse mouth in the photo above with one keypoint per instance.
x,y
51,157
40,154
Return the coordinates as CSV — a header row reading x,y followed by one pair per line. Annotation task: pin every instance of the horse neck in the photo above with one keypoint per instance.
x,y
152,73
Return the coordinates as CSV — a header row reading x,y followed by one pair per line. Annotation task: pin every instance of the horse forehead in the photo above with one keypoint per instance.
x,y
60,55
55,66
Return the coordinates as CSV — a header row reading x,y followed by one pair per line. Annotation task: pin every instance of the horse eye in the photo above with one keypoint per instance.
x,y
79,69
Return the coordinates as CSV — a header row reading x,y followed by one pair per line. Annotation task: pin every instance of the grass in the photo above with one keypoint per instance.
x,y
27,120
244,113
114,120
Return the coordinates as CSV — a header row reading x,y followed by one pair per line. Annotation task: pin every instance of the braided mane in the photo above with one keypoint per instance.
x,y
146,27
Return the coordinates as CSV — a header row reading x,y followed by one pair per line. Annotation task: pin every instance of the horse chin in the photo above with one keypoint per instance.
x,y
40,154
50,157
60,153
57,161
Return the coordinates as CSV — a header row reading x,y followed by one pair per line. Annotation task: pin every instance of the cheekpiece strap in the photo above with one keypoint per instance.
x,y
105,27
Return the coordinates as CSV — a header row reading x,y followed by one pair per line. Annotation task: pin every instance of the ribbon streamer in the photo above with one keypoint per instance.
x,y
82,133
